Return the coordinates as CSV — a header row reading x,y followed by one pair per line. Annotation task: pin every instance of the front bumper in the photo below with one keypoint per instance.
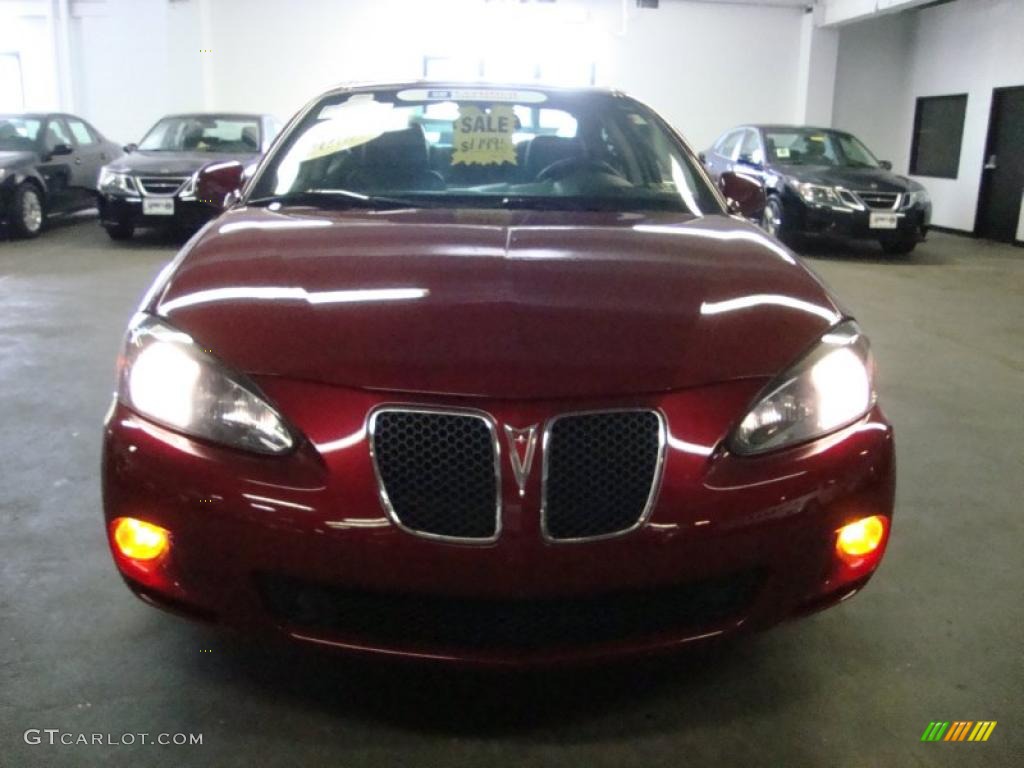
x,y
300,544
118,210
912,223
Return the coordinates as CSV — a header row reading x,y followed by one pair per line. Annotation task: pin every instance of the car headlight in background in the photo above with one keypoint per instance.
x,y
830,387
817,194
916,197
188,189
167,377
115,181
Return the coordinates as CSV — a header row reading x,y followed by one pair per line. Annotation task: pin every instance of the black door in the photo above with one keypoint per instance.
x,y
57,153
1002,181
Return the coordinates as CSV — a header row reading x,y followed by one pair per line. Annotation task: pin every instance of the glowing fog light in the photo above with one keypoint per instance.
x,y
139,540
860,538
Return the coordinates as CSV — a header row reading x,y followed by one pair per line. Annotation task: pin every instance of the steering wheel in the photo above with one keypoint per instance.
x,y
559,169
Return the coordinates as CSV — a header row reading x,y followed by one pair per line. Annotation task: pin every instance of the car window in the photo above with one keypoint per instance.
x,y
728,145
802,146
81,132
855,153
55,134
479,148
204,133
751,147
18,134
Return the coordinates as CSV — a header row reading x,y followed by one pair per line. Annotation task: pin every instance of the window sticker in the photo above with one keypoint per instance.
x,y
472,94
782,152
484,137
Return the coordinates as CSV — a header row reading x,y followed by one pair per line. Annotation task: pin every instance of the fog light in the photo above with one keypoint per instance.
x,y
139,540
860,538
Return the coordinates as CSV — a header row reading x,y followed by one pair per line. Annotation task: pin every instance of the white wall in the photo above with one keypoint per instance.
x,y
969,46
25,30
705,66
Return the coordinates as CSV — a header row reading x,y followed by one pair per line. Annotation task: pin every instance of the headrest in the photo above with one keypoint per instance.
x,y
406,149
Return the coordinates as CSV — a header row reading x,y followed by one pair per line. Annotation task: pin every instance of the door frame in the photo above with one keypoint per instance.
x,y
985,183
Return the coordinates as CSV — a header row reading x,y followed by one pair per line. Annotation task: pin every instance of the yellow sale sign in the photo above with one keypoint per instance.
x,y
484,137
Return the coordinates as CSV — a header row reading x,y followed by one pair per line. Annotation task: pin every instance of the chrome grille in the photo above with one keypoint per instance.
x,y
438,471
601,473
161,185
882,201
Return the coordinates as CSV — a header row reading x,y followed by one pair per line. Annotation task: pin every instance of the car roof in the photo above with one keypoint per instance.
x,y
791,127
252,115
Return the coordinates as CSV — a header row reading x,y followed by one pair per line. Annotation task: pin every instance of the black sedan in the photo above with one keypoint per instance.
x,y
49,164
820,181
155,183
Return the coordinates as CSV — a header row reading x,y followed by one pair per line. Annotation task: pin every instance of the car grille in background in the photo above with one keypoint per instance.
x,y
438,471
601,472
161,185
880,200
479,623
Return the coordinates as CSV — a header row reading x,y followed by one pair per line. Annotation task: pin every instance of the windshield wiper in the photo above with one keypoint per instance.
x,y
337,197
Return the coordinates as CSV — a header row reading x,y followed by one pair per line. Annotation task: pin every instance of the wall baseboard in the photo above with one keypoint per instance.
x,y
952,231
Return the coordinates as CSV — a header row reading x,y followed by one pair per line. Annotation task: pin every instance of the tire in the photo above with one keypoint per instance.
x,y
27,213
898,247
122,231
773,220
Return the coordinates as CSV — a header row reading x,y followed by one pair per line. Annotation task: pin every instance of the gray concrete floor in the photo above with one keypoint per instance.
x,y
937,635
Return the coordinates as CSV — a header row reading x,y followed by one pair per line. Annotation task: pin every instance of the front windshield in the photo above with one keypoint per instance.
x,y
18,134
487,149
204,133
799,146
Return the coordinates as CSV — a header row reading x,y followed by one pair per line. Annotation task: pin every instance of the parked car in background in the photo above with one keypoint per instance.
x,y
492,374
820,181
49,164
154,184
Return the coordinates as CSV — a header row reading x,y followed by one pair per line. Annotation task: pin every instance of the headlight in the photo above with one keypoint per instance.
x,y
188,189
166,377
916,197
115,181
817,194
828,388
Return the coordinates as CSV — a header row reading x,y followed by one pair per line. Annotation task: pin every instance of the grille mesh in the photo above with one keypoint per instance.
x,y
479,623
161,185
438,472
599,470
879,200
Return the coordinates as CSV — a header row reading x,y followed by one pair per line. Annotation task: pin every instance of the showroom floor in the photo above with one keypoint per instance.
x,y
936,636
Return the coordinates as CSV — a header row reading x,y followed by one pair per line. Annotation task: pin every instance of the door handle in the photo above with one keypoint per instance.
x,y
78,161
990,164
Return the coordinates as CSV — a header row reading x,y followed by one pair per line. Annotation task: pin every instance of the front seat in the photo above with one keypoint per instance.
x,y
397,160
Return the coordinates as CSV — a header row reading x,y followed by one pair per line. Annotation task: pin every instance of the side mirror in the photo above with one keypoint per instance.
x,y
702,157
743,194
886,164
219,185
61,149
129,148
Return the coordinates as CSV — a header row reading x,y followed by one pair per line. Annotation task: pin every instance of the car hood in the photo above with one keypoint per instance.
x,y
503,304
171,163
852,178
10,159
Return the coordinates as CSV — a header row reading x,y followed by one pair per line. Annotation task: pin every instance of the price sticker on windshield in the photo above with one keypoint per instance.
x,y
484,137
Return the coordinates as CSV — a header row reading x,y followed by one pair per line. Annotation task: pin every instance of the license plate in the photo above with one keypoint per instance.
x,y
158,207
884,221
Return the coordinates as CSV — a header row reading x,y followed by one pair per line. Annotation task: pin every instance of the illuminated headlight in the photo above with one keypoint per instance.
x,y
115,181
828,388
818,195
166,377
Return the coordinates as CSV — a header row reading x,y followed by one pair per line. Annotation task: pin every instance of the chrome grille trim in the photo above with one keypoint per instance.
x,y
492,427
160,186
656,478
880,201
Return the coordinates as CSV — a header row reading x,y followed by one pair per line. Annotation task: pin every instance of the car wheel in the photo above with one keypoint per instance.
x,y
27,215
772,220
898,247
120,231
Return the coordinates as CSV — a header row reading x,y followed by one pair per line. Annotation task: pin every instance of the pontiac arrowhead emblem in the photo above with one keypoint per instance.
x,y
522,444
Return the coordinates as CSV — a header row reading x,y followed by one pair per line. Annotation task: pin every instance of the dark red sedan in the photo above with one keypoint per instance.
x,y
495,375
